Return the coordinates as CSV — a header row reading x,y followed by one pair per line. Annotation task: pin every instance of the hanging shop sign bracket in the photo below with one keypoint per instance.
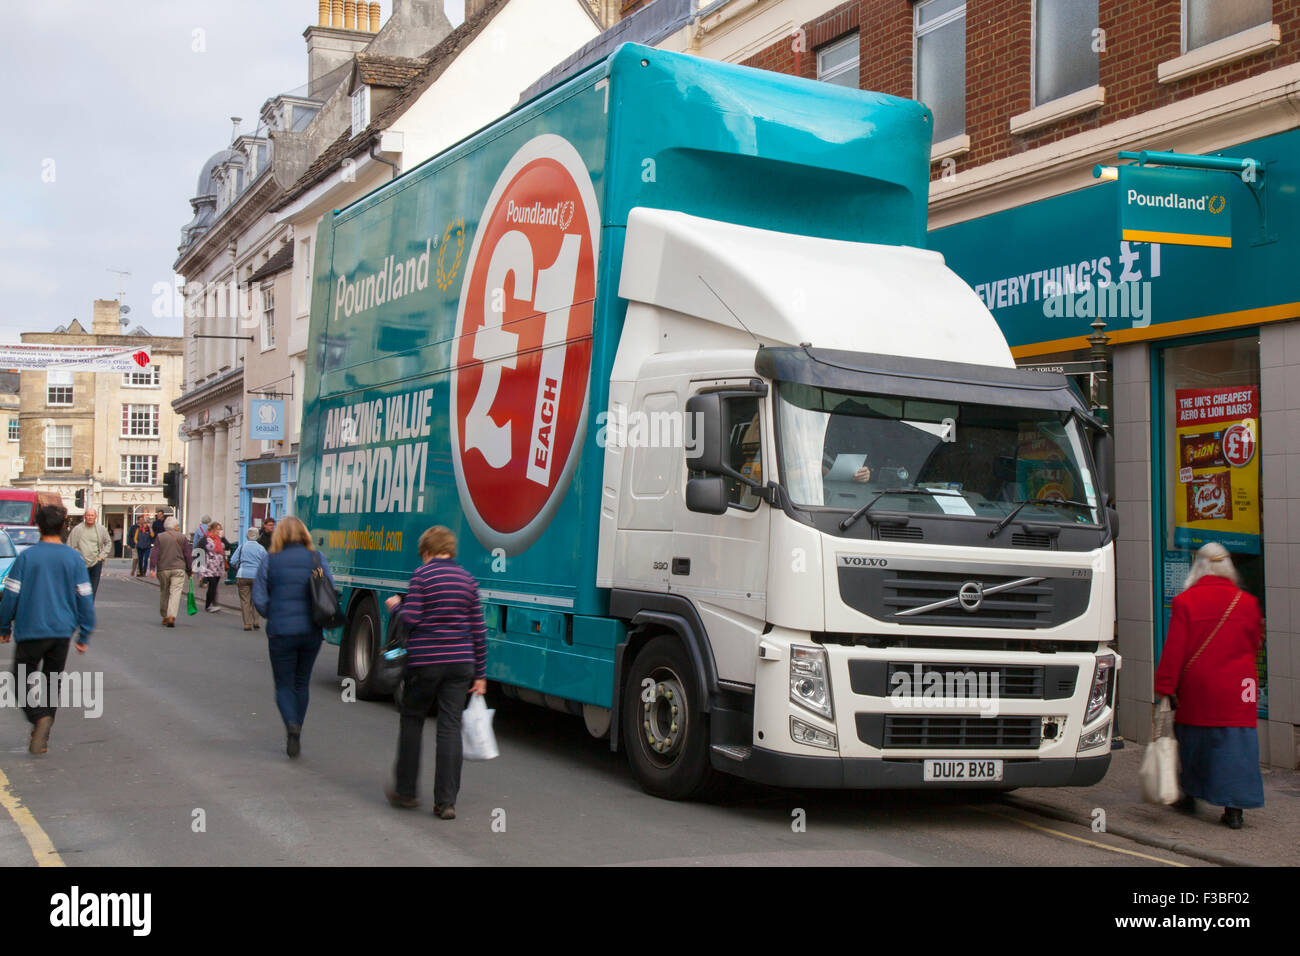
x,y
1182,199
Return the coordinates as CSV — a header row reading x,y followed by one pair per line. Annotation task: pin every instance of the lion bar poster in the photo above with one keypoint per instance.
x,y
1216,497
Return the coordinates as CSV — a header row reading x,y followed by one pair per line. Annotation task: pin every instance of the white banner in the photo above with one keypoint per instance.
x,y
74,358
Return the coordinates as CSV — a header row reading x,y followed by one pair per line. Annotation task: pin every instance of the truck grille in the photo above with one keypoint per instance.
x,y
1024,683
871,678
959,733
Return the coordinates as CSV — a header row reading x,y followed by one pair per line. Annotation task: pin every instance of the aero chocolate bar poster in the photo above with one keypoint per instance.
x,y
1216,497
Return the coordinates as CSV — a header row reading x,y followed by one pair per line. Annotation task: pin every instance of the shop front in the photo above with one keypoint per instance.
x,y
1204,348
266,488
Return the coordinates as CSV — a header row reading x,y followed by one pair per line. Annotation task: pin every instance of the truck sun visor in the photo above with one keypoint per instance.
x,y
916,378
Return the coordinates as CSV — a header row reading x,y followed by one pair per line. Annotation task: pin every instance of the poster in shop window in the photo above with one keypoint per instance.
x,y
1216,492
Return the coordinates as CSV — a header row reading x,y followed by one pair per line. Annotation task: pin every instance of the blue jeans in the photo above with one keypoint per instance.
x,y
292,657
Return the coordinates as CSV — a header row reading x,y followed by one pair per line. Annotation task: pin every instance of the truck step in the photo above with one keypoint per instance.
x,y
733,752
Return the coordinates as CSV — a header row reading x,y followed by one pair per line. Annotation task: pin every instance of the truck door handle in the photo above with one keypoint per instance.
x,y
681,565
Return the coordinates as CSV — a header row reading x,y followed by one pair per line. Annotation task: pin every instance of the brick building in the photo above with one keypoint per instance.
x,y
1028,97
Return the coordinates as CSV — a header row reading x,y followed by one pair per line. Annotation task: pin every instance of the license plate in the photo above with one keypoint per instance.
x,y
958,771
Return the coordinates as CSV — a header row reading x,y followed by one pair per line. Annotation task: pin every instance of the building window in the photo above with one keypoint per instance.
x,y
58,447
1064,59
940,81
139,469
58,387
268,317
360,109
1205,21
15,431
304,247
150,377
139,421
838,62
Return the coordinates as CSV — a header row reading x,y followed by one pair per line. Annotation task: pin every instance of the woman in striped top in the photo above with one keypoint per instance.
x,y
446,658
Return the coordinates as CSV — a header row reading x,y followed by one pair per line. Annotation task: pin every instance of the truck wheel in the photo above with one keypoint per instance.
x,y
666,732
363,649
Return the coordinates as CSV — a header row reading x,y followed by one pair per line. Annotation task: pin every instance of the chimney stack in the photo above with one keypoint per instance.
x,y
324,19
374,16
336,13
349,14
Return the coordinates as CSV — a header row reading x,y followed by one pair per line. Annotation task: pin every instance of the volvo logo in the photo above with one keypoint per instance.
x,y
971,596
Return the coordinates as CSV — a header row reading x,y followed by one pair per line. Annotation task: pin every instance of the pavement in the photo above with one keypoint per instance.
x,y
1270,837
915,828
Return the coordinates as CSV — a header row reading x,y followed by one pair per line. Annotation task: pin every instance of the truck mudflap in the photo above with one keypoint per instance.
x,y
771,767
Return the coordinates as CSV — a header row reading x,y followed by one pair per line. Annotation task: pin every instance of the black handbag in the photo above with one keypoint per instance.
x,y
390,664
325,610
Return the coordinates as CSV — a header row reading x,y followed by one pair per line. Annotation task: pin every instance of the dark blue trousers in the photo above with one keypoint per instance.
x,y
292,658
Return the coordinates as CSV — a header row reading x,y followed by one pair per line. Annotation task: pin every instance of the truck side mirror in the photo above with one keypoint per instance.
x,y
707,423
1103,453
707,495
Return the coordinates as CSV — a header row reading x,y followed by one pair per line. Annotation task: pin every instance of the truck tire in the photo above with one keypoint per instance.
x,y
667,736
363,649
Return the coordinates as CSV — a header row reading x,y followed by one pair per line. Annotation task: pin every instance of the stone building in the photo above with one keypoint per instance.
x,y
109,435
9,410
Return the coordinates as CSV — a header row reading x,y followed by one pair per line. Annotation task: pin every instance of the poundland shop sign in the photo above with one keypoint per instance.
x,y
1186,207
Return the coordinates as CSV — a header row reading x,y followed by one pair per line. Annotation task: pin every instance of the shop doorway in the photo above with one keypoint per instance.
x,y
1206,471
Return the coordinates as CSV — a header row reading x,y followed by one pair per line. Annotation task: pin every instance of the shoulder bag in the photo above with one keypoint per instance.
x,y
325,610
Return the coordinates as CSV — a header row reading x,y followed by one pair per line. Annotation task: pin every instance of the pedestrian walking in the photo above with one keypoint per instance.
x,y
281,595
170,563
92,540
201,532
268,529
142,538
159,524
213,567
446,660
48,602
1215,633
246,561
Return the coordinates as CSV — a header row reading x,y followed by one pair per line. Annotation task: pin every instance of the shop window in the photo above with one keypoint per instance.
x,y
1209,465
1064,59
1205,21
838,62
940,58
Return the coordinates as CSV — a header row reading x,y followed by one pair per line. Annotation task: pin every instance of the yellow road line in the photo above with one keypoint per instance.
x,y
1070,836
42,846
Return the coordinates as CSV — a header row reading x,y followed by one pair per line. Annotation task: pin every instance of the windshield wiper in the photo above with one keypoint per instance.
x,y
844,525
1055,502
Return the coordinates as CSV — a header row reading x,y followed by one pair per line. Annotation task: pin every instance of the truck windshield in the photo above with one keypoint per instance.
x,y
840,450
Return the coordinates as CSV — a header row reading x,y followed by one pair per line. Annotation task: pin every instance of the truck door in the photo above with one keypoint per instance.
x,y
719,562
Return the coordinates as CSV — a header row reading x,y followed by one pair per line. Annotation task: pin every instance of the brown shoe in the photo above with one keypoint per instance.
x,y
445,811
400,802
248,628
41,735
170,622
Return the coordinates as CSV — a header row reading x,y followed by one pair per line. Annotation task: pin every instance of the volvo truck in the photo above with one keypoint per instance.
x,y
747,477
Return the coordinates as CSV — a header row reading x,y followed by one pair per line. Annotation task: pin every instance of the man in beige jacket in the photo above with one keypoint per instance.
x,y
170,561
92,541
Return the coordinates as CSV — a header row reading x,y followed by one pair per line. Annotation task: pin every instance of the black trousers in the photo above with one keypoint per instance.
x,y
212,592
446,687
49,657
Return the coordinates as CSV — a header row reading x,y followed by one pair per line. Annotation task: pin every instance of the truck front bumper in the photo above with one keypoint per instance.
x,y
799,771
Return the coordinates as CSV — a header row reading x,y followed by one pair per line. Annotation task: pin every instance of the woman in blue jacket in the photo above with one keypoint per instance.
x,y
281,594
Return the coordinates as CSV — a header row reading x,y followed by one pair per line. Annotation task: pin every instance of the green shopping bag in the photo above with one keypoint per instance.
x,y
191,605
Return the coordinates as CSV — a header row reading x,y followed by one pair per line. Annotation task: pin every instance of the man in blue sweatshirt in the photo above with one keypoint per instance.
x,y
47,602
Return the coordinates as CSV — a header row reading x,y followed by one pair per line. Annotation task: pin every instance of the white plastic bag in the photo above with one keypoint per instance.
x,y
1158,776
478,742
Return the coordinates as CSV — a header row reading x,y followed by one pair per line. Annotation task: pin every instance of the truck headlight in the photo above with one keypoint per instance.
x,y
1099,693
809,685
1095,738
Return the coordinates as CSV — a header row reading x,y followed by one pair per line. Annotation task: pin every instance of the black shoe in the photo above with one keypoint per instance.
x,y
395,799
1187,804
444,811
293,744
1232,818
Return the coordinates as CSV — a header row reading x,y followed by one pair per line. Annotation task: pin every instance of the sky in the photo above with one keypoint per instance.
x,y
115,106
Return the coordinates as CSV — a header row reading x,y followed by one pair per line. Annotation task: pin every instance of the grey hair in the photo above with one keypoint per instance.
x,y
206,519
251,534
1213,558
169,524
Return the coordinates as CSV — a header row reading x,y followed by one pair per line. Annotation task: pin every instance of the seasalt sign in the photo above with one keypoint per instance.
x,y
1187,207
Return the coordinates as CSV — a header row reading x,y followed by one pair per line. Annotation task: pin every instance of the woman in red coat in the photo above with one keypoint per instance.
x,y
1208,664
